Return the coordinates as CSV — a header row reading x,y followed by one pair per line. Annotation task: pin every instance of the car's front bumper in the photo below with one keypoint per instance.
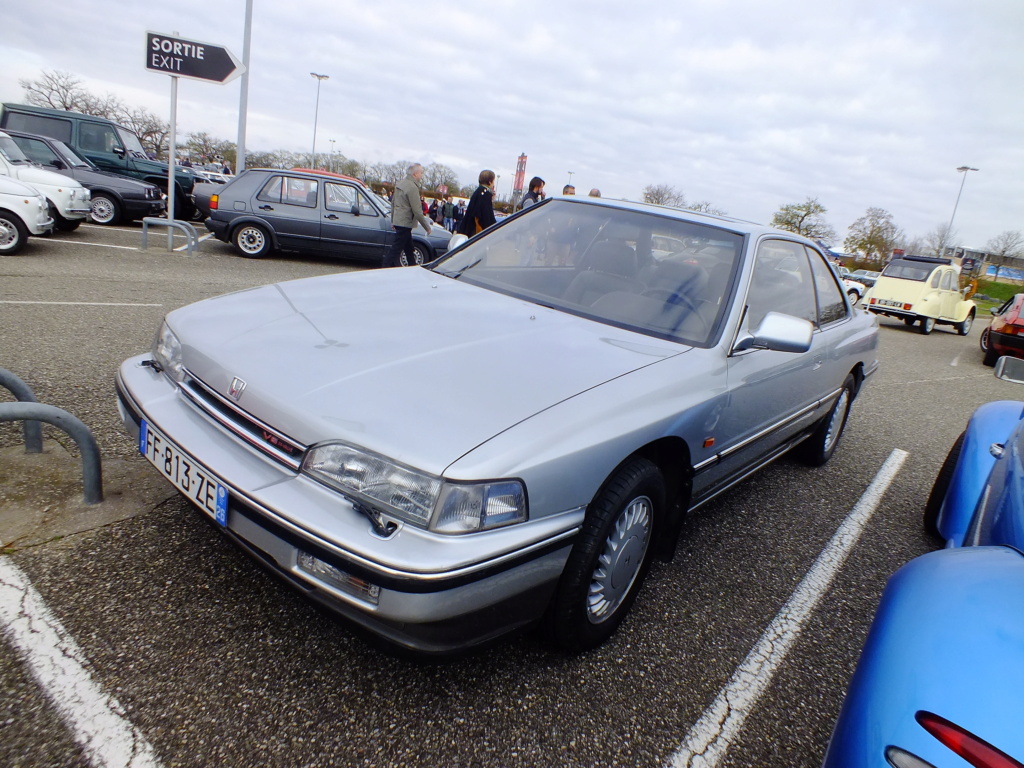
x,y
137,209
275,514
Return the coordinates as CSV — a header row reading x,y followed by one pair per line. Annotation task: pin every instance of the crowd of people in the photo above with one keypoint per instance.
x,y
409,208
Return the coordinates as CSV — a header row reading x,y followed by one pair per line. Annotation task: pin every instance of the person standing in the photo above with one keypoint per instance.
x,y
568,189
449,214
595,192
480,211
406,210
536,193
460,213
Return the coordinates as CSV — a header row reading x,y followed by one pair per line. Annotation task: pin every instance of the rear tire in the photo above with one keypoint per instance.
x,y
820,446
419,256
610,559
13,234
252,241
908,321
105,210
965,327
927,325
941,487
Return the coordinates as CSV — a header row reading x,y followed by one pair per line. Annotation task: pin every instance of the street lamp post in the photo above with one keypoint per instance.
x,y
316,113
570,177
962,169
332,155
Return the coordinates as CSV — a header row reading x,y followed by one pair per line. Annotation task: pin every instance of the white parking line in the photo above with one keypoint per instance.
x,y
721,723
97,721
98,245
79,303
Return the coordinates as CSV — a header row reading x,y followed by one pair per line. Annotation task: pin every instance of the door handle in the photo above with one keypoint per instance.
x,y
330,216
266,208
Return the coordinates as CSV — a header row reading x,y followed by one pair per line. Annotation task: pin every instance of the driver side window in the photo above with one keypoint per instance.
x,y
781,282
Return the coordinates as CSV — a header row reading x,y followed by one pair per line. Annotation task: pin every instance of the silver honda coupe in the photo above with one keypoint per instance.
x,y
507,436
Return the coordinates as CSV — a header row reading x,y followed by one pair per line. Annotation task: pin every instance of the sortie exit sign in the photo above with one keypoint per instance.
x,y
190,58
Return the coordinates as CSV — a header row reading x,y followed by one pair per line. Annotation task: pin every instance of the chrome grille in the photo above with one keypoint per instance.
x,y
256,433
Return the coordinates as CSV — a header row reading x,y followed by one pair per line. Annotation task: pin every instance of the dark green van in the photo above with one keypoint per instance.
x,y
110,146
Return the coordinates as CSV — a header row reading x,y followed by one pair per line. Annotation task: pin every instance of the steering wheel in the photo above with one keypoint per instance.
x,y
677,299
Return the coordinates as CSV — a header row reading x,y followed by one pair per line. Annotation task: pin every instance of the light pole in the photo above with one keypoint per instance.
x,y
570,177
316,113
962,169
332,154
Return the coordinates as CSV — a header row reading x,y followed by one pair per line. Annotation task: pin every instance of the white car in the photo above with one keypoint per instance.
x,y
23,212
69,202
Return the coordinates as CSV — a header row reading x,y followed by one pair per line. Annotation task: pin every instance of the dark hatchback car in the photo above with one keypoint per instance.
x,y
315,212
1005,334
115,198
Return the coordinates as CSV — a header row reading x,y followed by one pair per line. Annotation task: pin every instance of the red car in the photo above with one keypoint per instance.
x,y
1005,334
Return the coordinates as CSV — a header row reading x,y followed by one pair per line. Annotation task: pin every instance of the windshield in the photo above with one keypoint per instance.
x,y
12,151
643,271
69,156
131,142
908,270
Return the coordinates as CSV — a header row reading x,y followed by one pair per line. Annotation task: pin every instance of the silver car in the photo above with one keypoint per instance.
x,y
587,390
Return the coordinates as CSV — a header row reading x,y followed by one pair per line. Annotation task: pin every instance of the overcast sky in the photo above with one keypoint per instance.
x,y
747,104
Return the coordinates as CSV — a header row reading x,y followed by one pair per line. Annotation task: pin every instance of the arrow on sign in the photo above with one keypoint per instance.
x,y
191,58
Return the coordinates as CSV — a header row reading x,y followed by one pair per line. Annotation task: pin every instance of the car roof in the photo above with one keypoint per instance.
x,y
329,174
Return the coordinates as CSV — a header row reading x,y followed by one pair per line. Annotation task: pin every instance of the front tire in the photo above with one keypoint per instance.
x,y
927,325
820,446
940,488
854,297
252,241
610,560
13,234
419,256
965,327
105,210
991,356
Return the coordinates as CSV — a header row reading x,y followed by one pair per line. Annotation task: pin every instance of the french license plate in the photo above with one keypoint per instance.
x,y
187,476
890,303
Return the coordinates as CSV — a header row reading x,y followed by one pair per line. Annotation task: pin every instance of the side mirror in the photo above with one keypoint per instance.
x,y
354,210
58,164
994,311
782,333
1010,369
456,241
119,151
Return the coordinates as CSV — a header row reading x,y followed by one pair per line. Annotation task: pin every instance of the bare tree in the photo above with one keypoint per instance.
x,y
436,175
705,206
938,240
56,90
874,234
1005,250
807,219
664,194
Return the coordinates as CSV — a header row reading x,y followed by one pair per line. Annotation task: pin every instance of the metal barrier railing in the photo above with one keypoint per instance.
x,y
33,430
191,236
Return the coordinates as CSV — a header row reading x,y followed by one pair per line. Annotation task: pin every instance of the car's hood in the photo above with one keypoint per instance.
x,y
413,365
11,186
116,180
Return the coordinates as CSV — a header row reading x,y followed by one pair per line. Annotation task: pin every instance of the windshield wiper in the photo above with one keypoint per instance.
x,y
457,275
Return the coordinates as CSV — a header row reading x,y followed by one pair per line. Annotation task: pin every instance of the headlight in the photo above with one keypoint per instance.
x,y
167,352
416,497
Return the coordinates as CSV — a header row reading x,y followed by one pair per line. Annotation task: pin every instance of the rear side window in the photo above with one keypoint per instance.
x,y
947,279
48,126
96,137
831,304
289,190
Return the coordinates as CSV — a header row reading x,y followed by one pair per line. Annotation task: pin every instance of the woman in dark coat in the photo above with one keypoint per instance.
x,y
480,211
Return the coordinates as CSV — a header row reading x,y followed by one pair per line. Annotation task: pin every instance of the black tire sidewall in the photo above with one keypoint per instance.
x,y
20,228
567,619
941,487
813,449
266,241
115,207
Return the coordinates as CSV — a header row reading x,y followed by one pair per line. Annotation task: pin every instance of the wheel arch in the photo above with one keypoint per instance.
x,y
671,455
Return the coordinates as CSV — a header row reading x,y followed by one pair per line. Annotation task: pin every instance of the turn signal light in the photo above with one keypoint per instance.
x,y
213,202
974,750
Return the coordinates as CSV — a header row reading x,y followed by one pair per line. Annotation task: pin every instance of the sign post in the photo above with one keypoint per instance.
x,y
195,60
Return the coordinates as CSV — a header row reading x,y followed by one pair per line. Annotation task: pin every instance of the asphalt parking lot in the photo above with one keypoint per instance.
x,y
211,661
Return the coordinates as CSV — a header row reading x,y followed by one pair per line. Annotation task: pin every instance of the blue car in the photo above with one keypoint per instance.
x,y
942,671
